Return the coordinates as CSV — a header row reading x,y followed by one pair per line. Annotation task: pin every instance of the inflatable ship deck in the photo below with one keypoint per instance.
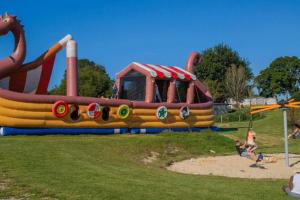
x,y
147,98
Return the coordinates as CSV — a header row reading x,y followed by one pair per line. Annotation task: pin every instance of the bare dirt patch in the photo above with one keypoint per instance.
x,y
4,185
151,157
236,166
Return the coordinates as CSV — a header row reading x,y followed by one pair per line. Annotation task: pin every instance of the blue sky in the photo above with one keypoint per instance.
x,y
115,33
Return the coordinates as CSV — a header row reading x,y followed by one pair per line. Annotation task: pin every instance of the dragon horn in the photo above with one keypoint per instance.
x,y
5,15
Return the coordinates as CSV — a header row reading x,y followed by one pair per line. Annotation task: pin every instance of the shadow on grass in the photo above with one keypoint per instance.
x,y
227,129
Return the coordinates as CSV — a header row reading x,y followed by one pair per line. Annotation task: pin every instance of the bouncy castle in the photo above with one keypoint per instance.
x,y
147,98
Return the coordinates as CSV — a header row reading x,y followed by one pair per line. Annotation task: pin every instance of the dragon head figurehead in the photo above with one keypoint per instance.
x,y
8,24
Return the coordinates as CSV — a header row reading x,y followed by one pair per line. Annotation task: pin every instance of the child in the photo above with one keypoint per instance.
x,y
250,142
242,150
296,132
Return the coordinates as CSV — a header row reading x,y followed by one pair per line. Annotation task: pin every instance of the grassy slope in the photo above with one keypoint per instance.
x,y
269,131
110,167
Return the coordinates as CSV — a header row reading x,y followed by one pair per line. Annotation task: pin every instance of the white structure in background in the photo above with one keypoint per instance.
x,y
221,108
254,101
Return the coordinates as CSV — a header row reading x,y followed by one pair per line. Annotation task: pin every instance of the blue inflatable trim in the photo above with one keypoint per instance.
x,y
100,131
214,128
66,131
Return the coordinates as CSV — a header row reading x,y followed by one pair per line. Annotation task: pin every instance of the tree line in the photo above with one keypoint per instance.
x,y
222,70
228,75
93,81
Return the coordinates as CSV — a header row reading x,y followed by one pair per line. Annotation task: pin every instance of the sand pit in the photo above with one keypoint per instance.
x,y
236,166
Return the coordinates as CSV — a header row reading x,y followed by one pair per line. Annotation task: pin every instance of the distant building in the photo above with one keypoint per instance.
x,y
221,108
255,101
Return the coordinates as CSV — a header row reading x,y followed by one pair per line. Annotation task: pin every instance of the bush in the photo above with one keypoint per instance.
x,y
293,117
296,96
242,114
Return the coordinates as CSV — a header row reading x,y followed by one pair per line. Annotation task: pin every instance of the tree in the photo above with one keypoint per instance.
x,y
296,96
214,64
236,83
281,77
215,89
93,80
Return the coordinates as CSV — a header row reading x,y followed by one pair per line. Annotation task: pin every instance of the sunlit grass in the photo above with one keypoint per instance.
x,y
111,167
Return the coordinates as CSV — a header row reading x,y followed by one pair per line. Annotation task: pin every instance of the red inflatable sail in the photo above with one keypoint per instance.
x,y
33,81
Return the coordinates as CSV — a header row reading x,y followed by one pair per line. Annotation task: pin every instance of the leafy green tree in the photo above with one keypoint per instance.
x,y
281,77
214,64
214,88
93,81
296,96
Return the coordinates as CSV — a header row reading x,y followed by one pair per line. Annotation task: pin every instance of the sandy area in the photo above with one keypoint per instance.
x,y
236,166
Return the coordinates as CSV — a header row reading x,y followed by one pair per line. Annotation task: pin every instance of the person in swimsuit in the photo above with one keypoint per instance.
x,y
251,141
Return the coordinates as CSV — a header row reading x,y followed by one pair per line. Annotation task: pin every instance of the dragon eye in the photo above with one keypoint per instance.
x,y
5,20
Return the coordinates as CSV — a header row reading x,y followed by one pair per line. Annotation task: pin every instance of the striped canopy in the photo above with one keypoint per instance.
x,y
161,71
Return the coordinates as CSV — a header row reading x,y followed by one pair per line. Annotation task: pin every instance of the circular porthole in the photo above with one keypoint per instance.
x,y
162,112
123,111
184,112
94,110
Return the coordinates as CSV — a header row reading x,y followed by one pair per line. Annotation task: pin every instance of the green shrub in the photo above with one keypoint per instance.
x,y
296,96
242,114
293,117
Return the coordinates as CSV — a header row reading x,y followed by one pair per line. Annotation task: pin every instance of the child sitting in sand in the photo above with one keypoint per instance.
x,y
242,149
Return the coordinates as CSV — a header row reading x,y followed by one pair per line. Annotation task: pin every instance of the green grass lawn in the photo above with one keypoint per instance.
x,y
111,167
270,137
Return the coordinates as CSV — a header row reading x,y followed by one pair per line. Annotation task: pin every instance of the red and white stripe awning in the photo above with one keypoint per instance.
x,y
160,71
34,81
